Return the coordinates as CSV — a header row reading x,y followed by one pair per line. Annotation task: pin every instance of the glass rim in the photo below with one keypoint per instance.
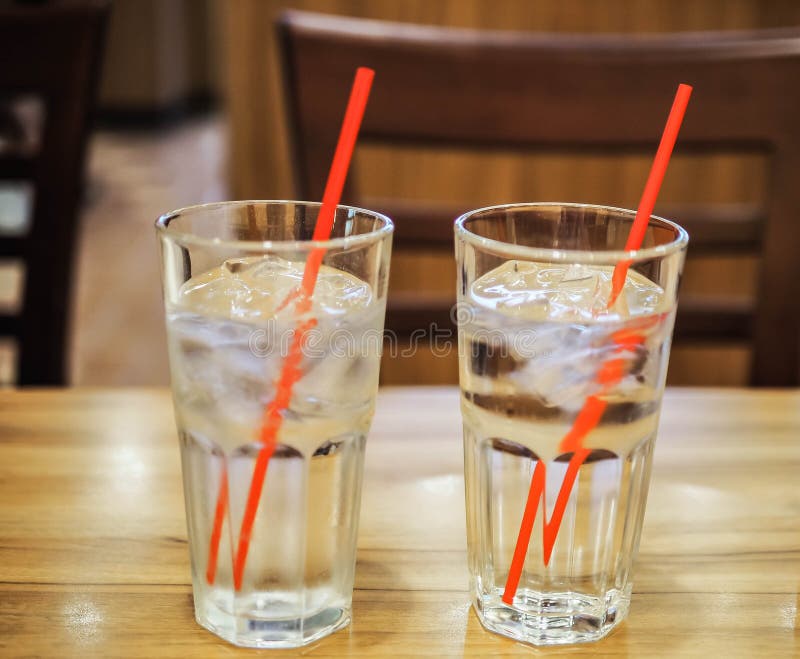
x,y
343,242
571,255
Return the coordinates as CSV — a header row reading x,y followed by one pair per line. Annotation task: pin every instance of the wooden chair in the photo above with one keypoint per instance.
x,y
441,86
50,51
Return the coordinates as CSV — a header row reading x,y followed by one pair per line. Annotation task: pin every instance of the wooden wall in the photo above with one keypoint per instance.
x,y
259,151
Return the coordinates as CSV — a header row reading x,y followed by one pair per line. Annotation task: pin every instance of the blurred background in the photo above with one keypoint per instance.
x,y
189,108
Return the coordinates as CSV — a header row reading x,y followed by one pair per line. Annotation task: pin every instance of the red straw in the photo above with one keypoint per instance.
x,y
290,373
653,185
609,374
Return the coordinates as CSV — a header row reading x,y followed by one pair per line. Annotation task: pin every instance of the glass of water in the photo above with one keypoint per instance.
x,y
561,387
232,276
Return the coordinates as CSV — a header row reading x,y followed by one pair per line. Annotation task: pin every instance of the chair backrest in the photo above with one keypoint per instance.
x,y
443,86
50,52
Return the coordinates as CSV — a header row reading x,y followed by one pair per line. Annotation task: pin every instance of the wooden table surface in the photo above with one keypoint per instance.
x,y
94,560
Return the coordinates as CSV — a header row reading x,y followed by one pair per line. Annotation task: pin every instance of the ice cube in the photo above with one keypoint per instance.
x,y
558,327
258,288
570,292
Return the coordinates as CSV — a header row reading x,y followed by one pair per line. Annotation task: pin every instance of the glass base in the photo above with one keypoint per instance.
x,y
257,631
553,618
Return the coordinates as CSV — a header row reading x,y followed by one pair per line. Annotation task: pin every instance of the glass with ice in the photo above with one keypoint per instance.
x,y
560,398
232,274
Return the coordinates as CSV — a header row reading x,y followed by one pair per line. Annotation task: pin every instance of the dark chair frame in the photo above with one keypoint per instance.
x,y
545,92
51,52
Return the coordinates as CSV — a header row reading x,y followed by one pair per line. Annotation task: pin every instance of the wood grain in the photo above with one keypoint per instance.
x,y
94,561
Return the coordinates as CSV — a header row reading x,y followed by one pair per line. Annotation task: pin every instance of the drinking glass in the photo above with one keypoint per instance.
x,y
232,276
561,388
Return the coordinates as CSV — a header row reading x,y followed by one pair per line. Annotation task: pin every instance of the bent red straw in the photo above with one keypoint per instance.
x,y
290,372
610,373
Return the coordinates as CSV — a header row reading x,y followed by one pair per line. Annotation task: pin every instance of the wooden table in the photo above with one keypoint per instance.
x,y
94,561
